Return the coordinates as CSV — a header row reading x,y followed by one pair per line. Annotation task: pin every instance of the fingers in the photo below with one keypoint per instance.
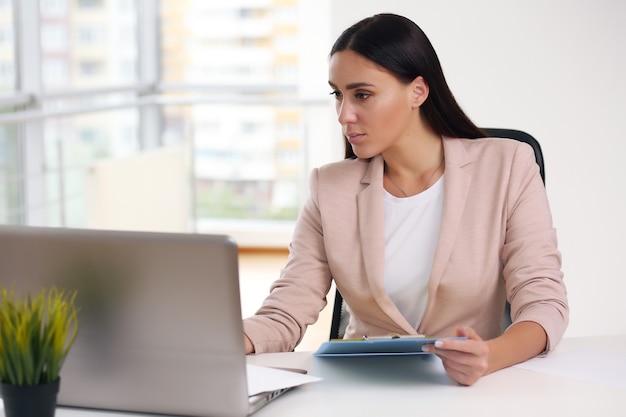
x,y
465,361
464,368
461,345
468,332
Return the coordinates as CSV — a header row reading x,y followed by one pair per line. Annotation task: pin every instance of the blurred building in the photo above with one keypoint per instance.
x,y
248,159
227,87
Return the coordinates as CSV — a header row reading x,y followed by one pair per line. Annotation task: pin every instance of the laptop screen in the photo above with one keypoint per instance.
x,y
160,326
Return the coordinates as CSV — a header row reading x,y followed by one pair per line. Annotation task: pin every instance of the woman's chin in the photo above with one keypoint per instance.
x,y
363,153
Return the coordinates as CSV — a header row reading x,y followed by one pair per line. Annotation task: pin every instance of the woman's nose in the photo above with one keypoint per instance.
x,y
345,113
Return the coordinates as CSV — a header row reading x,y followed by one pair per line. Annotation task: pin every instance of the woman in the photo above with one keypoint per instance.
x,y
429,228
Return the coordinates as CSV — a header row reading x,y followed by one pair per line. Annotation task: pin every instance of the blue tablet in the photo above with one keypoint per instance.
x,y
379,346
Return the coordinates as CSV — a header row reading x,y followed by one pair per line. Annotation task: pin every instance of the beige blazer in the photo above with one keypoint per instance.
x,y
496,242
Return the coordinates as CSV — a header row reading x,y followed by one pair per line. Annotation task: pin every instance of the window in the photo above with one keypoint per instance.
x,y
76,148
6,37
54,37
91,35
10,182
220,107
127,69
250,161
91,68
7,74
126,5
286,44
91,4
7,55
98,49
53,8
56,73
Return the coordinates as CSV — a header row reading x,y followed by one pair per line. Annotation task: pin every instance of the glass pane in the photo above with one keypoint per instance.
x,y
7,48
88,43
241,42
10,180
249,160
78,150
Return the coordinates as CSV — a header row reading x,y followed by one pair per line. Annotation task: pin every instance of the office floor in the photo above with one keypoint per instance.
x,y
257,271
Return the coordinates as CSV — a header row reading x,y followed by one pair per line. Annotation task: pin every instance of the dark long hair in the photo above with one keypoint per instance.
x,y
400,46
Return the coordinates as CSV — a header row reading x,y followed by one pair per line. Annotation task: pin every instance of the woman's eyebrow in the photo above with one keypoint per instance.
x,y
352,86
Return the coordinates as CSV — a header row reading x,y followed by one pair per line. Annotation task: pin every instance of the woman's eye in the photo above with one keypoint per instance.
x,y
336,93
362,96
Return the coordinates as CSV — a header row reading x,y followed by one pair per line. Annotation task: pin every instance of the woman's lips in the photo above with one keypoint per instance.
x,y
355,138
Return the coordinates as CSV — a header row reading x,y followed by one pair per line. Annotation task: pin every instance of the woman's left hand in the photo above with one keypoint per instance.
x,y
465,361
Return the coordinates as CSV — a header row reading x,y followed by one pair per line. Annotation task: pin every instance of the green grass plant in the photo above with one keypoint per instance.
x,y
36,335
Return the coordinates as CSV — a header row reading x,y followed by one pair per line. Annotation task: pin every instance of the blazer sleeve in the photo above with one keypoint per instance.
x,y
298,296
532,261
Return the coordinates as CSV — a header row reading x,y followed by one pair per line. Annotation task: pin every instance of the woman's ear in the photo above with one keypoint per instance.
x,y
419,91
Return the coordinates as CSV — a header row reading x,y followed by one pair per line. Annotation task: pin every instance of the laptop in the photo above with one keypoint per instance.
x,y
160,327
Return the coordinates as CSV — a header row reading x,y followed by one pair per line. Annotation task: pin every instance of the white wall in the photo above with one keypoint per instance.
x,y
556,69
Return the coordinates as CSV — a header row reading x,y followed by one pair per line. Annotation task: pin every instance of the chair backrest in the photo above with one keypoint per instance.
x,y
341,316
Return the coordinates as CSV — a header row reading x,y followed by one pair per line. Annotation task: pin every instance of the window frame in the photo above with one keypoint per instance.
x,y
147,96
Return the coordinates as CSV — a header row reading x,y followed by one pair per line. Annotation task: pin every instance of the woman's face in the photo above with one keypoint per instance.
x,y
376,111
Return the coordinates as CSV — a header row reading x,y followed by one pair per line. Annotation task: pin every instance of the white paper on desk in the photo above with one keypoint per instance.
x,y
264,379
600,367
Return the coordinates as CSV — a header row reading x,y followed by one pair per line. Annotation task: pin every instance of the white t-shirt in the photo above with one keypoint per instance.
x,y
411,233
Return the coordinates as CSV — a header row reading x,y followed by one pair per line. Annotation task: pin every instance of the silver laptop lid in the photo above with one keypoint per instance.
x,y
160,326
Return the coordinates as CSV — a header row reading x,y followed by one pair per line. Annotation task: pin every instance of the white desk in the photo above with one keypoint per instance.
x,y
418,386
415,386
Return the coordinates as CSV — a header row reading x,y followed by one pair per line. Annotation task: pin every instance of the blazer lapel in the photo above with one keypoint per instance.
x,y
371,215
457,180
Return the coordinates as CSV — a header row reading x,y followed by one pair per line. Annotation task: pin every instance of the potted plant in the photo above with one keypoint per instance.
x,y
35,337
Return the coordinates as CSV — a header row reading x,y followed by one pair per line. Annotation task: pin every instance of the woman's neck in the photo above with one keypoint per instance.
x,y
413,168
414,157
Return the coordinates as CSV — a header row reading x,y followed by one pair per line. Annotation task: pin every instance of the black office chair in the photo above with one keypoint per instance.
x,y
340,314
